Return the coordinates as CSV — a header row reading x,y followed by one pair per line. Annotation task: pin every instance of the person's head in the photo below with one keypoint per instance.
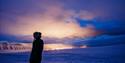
x,y
37,35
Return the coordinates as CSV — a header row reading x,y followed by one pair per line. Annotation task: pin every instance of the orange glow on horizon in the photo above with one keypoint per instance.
x,y
57,47
51,46
84,46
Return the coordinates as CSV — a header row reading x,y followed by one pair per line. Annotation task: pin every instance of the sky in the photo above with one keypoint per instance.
x,y
76,22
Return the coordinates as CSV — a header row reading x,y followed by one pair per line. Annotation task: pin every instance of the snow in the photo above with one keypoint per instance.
x,y
105,54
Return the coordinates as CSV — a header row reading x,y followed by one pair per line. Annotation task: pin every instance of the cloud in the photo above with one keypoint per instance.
x,y
101,40
54,21
110,27
86,15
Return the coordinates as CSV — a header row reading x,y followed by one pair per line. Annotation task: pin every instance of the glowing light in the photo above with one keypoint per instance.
x,y
51,46
84,46
57,46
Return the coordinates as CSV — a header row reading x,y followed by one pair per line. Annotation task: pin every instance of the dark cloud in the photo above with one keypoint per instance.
x,y
106,40
102,40
110,27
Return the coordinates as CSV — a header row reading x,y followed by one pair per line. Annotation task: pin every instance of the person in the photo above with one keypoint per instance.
x,y
37,48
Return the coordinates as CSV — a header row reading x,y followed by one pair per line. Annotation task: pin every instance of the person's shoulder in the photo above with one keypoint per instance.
x,y
34,41
41,40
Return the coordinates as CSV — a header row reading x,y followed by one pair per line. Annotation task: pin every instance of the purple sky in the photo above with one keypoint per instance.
x,y
77,20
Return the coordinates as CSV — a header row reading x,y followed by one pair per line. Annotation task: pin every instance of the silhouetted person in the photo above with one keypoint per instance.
x,y
37,48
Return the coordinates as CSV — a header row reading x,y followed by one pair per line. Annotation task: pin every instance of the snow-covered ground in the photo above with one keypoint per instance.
x,y
105,54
